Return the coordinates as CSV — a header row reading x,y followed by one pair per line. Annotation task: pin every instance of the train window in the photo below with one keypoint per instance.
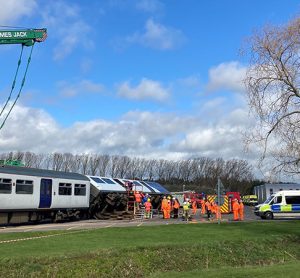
x,y
64,189
119,182
24,187
5,186
80,189
106,180
97,180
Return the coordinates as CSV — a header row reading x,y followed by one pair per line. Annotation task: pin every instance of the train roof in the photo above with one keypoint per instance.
x,y
106,184
157,187
25,171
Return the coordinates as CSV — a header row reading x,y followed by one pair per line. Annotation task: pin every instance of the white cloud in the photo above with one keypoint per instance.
x,y
158,36
12,10
222,139
67,26
227,76
82,87
147,89
137,133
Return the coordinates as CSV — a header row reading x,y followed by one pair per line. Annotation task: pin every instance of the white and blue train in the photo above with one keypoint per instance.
x,y
32,195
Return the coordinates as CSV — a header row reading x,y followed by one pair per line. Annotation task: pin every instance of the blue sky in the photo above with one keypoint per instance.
x,y
146,78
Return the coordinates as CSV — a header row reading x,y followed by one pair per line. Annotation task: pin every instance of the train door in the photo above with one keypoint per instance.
x,y
45,193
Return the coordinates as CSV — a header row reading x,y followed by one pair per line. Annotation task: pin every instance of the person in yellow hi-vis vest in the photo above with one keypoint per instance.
x,y
186,211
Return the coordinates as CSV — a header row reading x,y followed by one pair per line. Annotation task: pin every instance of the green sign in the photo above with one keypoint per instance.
x,y
26,37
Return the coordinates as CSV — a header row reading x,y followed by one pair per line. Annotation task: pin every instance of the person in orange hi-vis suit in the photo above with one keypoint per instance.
x,y
168,208
202,206
241,210
164,204
138,199
208,209
235,209
194,207
176,207
218,212
148,206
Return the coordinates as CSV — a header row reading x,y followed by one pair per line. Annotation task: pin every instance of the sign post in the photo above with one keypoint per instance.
x,y
220,189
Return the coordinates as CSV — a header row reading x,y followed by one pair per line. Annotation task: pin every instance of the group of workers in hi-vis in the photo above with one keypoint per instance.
x,y
145,201
210,209
238,210
170,207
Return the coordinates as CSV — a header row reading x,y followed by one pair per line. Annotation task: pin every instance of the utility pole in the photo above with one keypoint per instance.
x,y
220,189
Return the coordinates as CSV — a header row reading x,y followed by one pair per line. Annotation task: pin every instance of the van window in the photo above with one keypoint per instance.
x,y
277,200
290,200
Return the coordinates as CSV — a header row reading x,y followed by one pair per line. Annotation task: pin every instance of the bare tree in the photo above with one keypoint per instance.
x,y
57,161
68,161
273,83
84,160
151,169
103,165
94,164
123,166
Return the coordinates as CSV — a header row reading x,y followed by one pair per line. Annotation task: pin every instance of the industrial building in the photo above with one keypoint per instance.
x,y
265,190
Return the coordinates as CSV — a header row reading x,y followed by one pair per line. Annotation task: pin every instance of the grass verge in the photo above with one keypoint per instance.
x,y
157,250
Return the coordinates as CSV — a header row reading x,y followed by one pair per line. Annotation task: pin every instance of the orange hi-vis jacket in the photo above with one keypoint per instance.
x,y
218,212
176,205
194,207
208,205
241,211
214,207
164,204
202,206
148,206
235,208
138,197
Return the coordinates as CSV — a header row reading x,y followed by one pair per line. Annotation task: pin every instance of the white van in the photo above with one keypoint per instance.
x,y
285,203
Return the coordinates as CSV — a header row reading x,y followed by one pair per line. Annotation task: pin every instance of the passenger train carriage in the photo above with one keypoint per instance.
x,y
28,194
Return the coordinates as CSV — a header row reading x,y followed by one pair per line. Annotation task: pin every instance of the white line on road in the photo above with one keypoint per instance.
x,y
109,225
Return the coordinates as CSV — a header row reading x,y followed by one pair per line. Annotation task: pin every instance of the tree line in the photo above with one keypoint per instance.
x,y
199,174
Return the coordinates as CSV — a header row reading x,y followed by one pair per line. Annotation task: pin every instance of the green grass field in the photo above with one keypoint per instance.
x,y
264,249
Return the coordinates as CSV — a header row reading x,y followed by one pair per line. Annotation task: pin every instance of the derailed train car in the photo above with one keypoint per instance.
x,y
112,198
33,195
